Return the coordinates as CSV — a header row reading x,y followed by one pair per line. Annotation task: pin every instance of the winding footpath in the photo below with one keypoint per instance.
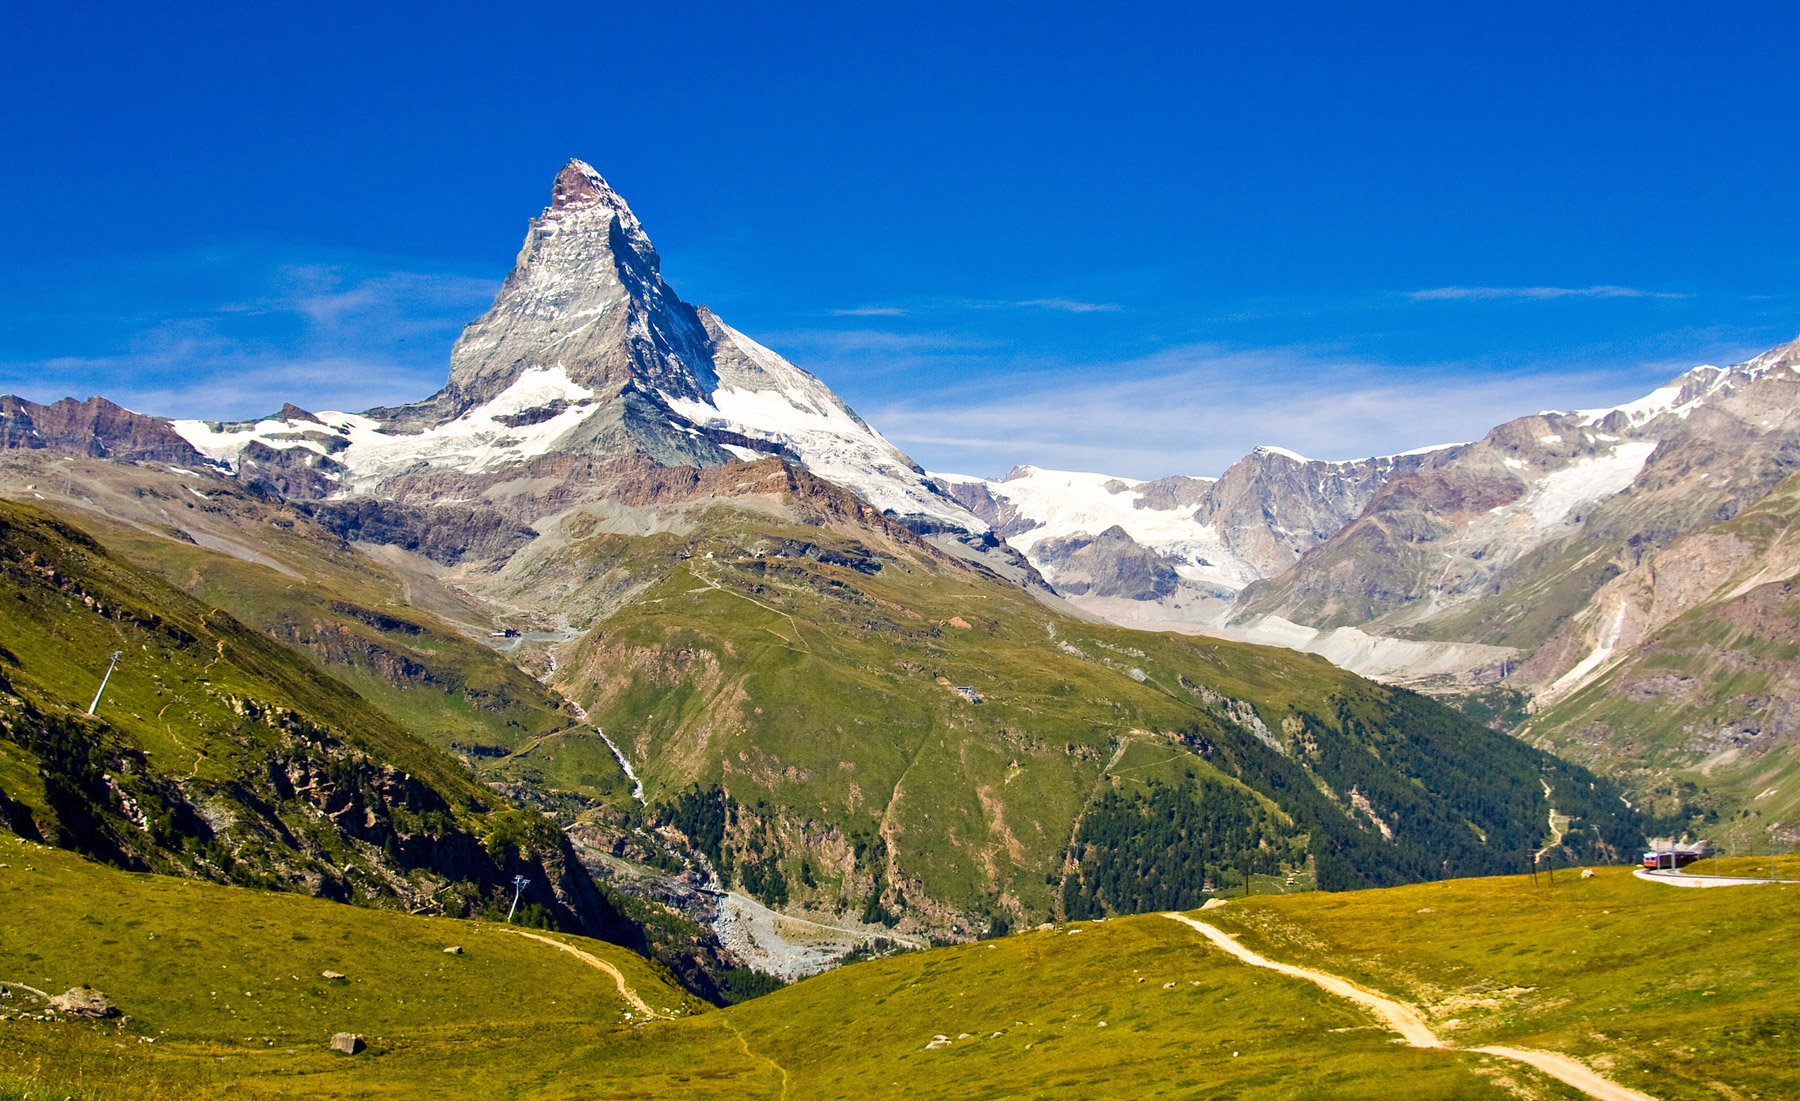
x,y
1695,879
1406,1020
592,960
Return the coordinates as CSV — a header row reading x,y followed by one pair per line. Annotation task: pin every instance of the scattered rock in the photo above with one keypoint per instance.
x,y
453,950
1213,903
1427,910
331,974
939,1040
84,1001
1587,873
347,1042
959,621
1046,927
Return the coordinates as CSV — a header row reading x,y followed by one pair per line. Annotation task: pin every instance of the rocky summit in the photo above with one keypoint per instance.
x,y
587,366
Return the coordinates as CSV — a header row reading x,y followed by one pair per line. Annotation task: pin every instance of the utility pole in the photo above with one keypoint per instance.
x,y
518,887
109,668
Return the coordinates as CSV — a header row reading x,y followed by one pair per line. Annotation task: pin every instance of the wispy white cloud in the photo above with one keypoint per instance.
x,y
1448,294
811,345
951,305
1069,305
332,332
1197,409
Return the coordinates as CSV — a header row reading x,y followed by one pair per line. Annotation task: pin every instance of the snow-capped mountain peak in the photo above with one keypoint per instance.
x,y
587,350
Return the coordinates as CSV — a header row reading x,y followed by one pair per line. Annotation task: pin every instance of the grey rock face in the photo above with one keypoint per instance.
x,y
95,427
587,293
347,1043
1271,507
1110,564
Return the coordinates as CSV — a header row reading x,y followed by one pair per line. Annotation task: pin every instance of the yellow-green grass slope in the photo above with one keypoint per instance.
x,y
226,995
1678,992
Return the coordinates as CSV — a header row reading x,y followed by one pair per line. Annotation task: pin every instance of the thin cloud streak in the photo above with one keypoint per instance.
x,y
1064,305
1069,305
340,332
1455,294
1196,410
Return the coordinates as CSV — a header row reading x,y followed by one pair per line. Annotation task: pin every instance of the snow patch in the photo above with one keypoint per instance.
x,y
475,442
1586,481
1067,503
801,413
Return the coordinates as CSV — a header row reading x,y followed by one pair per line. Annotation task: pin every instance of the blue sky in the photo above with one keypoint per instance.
x,y
1138,241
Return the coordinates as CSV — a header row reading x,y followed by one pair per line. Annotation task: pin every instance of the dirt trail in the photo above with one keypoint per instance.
x,y
1568,1070
592,960
1696,879
1407,1021
1401,1018
745,1044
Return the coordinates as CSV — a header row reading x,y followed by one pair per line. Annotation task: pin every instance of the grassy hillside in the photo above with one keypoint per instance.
x,y
1679,993
788,692
218,753
396,631
783,667
225,993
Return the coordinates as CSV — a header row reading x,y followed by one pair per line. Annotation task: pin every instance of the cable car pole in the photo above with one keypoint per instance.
x,y
104,679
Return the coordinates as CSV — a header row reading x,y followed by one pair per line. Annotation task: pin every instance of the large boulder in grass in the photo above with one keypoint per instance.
x,y
84,1001
347,1042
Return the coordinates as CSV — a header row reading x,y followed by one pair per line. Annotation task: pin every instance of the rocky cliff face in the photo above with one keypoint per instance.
x,y
1111,564
95,427
1272,506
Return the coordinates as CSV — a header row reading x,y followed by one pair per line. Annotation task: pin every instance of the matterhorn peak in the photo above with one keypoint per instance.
x,y
587,352
578,184
579,192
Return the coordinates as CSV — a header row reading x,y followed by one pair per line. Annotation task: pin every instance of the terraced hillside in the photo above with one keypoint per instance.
x,y
224,993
